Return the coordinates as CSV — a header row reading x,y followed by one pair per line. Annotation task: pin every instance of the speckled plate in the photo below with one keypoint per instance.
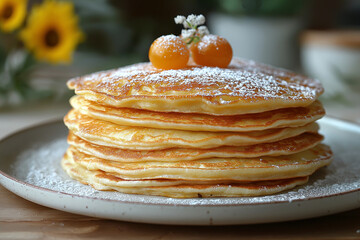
x,y
30,168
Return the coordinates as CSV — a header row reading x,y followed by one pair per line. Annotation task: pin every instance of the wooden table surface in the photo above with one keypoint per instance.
x,y
21,219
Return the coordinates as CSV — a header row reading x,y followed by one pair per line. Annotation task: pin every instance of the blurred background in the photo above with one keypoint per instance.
x,y
319,38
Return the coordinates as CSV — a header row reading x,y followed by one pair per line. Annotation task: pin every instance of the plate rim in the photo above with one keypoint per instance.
x,y
58,121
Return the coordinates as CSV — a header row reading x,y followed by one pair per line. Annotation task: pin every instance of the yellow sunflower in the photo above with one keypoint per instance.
x,y
52,32
12,14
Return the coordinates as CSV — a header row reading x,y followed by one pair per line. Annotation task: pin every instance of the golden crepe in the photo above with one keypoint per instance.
x,y
283,147
288,117
177,188
243,87
246,130
240,169
141,138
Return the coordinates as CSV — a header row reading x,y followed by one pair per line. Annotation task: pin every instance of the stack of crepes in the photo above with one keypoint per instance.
x,y
245,130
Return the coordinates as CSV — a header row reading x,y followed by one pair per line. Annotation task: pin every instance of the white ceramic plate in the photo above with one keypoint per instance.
x,y
30,167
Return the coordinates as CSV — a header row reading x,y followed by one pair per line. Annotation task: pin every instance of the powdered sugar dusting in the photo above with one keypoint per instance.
x,y
208,40
40,165
243,80
169,44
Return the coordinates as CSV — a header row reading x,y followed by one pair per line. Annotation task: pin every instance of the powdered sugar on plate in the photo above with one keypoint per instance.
x,y
39,165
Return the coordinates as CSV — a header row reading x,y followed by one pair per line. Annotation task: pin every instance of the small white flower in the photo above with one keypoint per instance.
x,y
203,30
200,20
192,32
191,21
180,19
186,24
188,33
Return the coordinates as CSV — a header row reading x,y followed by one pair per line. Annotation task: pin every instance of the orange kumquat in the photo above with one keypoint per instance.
x,y
169,52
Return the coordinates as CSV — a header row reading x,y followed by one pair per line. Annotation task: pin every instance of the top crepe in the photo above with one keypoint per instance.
x,y
243,87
